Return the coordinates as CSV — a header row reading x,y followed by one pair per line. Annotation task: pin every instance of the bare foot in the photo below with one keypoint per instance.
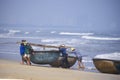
x,y
22,63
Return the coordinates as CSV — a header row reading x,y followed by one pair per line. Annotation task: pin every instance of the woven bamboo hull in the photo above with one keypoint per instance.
x,y
44,57
107,66
58,62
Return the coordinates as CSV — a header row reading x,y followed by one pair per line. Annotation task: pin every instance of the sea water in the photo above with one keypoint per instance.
x,y
88,43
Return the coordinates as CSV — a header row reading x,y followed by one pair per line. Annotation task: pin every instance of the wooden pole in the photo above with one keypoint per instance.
x,y
41,45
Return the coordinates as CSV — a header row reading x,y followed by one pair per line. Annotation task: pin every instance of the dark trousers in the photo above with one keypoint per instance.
x,y
65,63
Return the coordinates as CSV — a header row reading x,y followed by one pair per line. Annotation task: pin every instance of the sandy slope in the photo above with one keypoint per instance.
x,y
14,70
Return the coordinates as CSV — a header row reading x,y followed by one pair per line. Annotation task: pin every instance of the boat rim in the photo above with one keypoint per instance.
x,y
105,59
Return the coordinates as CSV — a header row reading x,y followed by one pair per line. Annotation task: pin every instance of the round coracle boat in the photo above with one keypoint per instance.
x,y
107,65
44,57
58,62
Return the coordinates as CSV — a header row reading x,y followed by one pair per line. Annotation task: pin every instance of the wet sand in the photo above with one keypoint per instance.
x,y
14,70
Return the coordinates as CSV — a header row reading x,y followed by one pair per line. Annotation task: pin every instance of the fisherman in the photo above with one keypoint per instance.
x,y
22,52
28,49
65,63
79,58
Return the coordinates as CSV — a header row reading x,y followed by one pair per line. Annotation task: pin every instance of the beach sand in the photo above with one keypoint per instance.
x,y
14,70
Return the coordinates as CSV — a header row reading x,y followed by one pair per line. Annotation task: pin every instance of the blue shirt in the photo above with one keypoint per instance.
x,y
63,51
22,50
78,54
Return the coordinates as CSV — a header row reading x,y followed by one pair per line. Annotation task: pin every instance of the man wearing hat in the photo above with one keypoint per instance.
x,y
28,50
65,63
79,58
22,51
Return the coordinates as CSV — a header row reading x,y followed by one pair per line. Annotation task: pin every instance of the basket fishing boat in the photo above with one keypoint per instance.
x,y
107,65
58,62
51,57
44,57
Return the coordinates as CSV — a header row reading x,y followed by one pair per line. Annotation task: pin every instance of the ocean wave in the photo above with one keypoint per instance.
x,y
37,31
9,33
87,59
99,38
90,68
57,40
75,34
6,36
50,40
14,53
61,41
26,32
111,56
53,32
72,41
12,32
37,48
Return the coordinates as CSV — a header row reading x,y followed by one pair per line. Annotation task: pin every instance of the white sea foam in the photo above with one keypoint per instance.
x,y
6,36
87,59
100,38
48,40
9,52
66,41
12,32
53,32
75,34
111,56
73,41
37,31
26,32
60,41
36,48
90,68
